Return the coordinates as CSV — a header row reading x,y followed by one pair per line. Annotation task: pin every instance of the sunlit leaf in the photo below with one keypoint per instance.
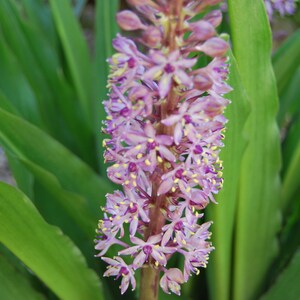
x,y
43,248
258,219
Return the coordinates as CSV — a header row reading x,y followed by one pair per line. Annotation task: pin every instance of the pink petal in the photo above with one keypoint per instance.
x,y
171,120
153,73
165,186
165,85
178,133
166,153
182,78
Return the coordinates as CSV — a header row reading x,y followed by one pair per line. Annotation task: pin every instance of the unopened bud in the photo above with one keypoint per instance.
x,y
152,37
202,82
128,20
214,47
201,31
214,18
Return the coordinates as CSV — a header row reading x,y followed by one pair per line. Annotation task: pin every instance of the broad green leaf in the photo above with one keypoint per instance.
x,y
28,64
39,13
11,75
223,214
22,176
67,210
106,29
79,6
289,101
76,51
290,142
286,60
13,285
258,217
291,180
74,131
43,248
30,143
287,285
7,106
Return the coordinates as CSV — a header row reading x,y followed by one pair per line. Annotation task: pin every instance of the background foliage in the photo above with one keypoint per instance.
x,y
52,80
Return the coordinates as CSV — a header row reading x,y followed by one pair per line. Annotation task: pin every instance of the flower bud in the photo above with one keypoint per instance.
x,y
152,37
214,18
202,82
214,47
128,20
201,31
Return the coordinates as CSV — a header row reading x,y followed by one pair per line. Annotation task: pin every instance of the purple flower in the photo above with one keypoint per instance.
x,y
165,122
144,250
165,69
283,7
117,267
171,280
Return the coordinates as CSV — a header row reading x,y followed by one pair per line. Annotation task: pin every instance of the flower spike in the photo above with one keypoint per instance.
x,y
165,121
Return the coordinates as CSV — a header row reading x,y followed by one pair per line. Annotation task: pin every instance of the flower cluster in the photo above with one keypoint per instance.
x,y
283,7
165,119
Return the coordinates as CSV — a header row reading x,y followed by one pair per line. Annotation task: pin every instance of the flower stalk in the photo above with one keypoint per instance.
x,y
165,119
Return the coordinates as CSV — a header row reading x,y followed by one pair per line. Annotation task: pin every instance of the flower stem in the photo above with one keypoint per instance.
x,y
149,283
150,274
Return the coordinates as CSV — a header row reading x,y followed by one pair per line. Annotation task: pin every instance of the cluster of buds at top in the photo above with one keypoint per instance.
x,y
165,119
283,7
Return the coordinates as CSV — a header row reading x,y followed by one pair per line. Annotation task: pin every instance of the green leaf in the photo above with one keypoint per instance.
x,y
258,216
22,176
67,210
223,214
289,101
39,14
28,142
11,75
291,175
13,285
43,248
76,51
106,29
286,60
28,64
287,285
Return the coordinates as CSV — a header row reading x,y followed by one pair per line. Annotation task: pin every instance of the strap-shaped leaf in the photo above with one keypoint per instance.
x,y
28,142
223,214
106,29
76,51
289,100
13,285
258,207
291,178
287,285
43,248
286,60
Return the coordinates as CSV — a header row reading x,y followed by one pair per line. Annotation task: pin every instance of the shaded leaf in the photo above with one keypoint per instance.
x,y
286,60
76,51
106,29
13,285
30,143
287,285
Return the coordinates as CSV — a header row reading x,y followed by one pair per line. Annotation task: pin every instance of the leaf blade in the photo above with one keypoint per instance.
x,y
258,207
223,214
49,254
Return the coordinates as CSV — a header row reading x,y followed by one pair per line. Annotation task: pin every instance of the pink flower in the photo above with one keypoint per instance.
x,y
165,121
171,280
117,267
166,69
